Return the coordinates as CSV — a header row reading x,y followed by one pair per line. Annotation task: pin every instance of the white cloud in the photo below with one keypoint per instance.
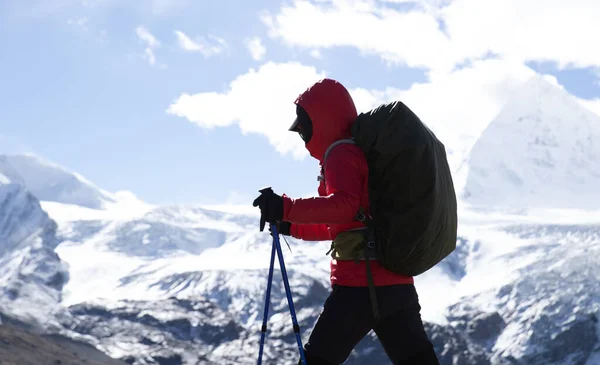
x,y
150,56
456,102
151,44
526,29
396,36
147,37
207,48
260,101
457,106
522,30
186,43
256,48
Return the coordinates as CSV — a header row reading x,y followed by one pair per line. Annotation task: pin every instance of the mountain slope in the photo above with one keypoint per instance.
x,y
131,255
21,345
542,150
549,312
50,182
228,268
31,273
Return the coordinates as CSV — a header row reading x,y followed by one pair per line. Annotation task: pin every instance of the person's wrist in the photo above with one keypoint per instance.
x,y
285,228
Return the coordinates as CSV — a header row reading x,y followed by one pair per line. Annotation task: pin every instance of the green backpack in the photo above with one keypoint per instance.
x,y
412,203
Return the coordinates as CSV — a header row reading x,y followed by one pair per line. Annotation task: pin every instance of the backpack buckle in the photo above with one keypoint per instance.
x,y
360,216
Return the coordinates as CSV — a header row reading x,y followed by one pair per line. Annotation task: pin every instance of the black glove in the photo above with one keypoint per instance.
x,y
271,207
283,228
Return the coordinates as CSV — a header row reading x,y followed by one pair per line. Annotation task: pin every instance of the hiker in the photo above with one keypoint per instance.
x,y
324,115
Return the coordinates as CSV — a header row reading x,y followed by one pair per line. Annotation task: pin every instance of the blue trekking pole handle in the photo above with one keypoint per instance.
x,y
266,312
288,292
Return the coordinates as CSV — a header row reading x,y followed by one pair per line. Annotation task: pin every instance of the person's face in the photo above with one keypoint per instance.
x,y
304,126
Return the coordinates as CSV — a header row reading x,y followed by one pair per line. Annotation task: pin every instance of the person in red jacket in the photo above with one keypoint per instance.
x,y
324,115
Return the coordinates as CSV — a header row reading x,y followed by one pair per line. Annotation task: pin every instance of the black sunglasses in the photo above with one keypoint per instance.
x,y
305,135
303,125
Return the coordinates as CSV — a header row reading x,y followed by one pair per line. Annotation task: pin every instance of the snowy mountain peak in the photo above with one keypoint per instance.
x,y
542,150
51,182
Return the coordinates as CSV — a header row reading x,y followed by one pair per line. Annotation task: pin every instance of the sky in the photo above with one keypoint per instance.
x,y
183,101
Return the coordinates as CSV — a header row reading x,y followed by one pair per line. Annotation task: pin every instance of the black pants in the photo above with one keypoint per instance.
x,y
347,317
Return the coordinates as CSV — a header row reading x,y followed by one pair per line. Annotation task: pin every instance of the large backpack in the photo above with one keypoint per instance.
x,y
412,203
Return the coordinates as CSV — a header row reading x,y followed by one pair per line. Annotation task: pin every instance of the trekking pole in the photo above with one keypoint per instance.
x,y
263,329
277,248
288,292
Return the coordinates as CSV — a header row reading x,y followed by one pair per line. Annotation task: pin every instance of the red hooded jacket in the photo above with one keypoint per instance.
x,y
344,188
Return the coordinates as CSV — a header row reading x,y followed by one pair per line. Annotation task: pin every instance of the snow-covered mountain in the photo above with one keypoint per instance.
x,y
543,301
479,304
542,150
31,273
51,182
185,284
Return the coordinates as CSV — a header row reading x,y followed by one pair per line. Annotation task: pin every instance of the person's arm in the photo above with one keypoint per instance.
x,y
310,232
344,183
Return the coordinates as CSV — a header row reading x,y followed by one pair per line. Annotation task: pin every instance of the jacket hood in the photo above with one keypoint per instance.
x,y
332,112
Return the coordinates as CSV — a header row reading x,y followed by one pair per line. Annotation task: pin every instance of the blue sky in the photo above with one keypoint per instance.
x,y
89,84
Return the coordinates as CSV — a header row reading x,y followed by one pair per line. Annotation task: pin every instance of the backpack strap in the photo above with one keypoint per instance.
x,y
370,254
369,250
321,177
334,144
